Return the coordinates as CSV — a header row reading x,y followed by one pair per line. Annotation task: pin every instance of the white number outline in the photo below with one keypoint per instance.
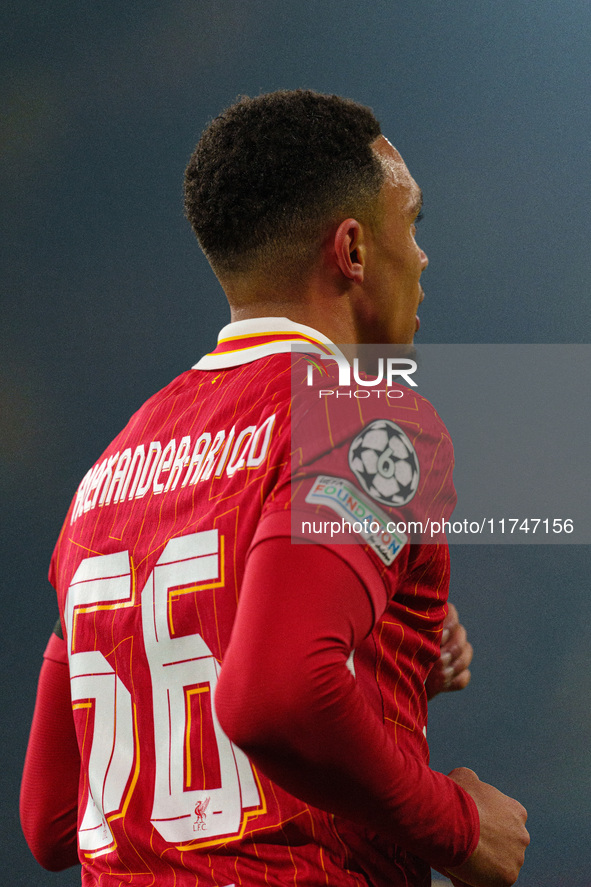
x,y
177,664
100,583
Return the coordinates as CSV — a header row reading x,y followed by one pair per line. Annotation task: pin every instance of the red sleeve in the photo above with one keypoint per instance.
x,y
49,788
286,696
356,555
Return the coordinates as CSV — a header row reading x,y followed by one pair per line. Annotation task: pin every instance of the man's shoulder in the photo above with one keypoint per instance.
x,y
329,413
228,389
374,446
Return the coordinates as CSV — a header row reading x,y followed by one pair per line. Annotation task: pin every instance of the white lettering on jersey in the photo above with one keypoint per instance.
x,y
133,474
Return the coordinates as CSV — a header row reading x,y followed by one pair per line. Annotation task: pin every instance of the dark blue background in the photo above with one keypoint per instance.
x,y
105,297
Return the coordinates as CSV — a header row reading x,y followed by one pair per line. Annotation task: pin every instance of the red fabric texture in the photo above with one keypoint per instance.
x,y
287,697
49,788
205,468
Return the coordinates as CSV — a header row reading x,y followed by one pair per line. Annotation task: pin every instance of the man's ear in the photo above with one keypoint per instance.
x,y
350,250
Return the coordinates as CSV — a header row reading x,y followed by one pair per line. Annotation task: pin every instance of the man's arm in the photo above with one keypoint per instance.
x,y
286,696
49,787
503,836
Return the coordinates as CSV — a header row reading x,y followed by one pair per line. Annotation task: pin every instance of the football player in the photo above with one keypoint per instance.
x,y
228,703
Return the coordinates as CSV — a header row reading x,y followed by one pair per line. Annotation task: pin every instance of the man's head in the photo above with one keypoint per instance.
x,y
271,174
389,260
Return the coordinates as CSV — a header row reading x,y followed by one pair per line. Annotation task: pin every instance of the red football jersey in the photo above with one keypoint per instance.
x,y
148,570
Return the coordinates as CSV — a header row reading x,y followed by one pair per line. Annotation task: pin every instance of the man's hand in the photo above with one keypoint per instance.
x,y
503,839
451,671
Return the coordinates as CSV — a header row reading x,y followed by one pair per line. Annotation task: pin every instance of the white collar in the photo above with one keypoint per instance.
x,y
246,340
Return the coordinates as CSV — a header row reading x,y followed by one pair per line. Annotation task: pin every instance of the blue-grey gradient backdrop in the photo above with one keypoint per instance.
x,y
105,297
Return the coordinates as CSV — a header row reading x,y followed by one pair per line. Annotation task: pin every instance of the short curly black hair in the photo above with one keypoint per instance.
x,y
272,172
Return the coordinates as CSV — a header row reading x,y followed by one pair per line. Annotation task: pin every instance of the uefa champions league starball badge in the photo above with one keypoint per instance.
x,y
384,462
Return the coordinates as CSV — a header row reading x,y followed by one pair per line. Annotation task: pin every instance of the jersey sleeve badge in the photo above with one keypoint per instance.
x,y
359,515
385,463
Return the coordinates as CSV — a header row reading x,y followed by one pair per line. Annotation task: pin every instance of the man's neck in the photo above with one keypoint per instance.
x,y
330,323
314,300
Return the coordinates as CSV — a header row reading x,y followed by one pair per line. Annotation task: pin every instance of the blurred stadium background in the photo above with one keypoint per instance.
x,y
105,297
